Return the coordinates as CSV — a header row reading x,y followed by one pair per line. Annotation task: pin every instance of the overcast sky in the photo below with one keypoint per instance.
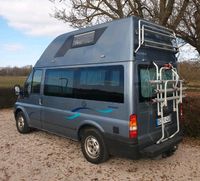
x,y
26,29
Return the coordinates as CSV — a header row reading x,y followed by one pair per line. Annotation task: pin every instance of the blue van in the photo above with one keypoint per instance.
x,y
114,87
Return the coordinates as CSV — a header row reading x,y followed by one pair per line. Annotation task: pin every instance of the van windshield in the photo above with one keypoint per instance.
x,y
146,74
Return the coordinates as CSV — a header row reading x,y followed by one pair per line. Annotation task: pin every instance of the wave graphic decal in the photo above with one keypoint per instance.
x,y
74,116
77,113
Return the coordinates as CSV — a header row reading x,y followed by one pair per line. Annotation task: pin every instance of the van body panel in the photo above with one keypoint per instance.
x,y
65,115
31,109
103,89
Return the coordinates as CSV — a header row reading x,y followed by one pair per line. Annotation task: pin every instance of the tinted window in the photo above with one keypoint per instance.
x,y
101,83
92,77
59,82
83,39
92,83
37,77
146,74
27,85
79,40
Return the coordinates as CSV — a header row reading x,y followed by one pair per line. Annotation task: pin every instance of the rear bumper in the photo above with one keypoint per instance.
x,y
130,149
157,149
123,147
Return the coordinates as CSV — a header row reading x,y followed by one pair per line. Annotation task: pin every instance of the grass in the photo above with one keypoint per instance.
x,y
11,81
7,95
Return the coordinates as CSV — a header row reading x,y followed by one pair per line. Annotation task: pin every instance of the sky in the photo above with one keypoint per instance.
x,y
26,29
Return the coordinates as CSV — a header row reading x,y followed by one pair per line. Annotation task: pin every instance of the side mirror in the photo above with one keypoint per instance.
x,y
17,90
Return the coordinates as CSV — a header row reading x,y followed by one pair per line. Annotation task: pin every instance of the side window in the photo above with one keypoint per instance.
x,y
92,83
27,85
101,83
36,83
59,82
92,77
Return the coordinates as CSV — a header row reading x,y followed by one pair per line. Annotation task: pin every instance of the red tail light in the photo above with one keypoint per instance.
x,y
181,112
133,132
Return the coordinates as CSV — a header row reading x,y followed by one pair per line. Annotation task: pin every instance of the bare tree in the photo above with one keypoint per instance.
x,y
183,16
16,71
189,27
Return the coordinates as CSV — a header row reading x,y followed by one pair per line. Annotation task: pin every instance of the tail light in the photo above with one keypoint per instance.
x,y
133,131
181,112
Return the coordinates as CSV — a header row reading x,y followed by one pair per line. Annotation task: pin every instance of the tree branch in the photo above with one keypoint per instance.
x,y
180,15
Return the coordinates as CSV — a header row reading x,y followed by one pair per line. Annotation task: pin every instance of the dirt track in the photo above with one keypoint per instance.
x,y
43,156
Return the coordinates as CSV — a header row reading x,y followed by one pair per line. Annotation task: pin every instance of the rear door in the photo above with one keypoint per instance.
x,y
148,118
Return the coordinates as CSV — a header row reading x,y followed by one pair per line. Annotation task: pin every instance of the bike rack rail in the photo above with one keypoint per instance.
x,y
162,100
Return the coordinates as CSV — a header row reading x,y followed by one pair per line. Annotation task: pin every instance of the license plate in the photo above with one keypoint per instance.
x,y
166,119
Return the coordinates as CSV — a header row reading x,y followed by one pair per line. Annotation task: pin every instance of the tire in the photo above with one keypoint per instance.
x,y
93,146
21,123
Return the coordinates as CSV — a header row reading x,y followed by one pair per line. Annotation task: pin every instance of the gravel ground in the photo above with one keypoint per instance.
x,y
43,156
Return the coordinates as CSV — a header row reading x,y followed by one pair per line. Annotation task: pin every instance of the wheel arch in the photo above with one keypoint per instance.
x,y
21,109
17,111
89,124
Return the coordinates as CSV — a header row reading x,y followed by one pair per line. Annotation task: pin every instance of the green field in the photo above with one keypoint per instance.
x,y
7,95
11,81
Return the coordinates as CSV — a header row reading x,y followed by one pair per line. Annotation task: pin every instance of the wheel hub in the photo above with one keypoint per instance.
x,y
20,122
92,147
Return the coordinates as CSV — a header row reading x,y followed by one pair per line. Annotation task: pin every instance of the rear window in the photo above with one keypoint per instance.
x,y
147,73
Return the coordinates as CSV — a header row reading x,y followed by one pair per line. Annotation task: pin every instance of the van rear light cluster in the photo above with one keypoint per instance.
x,y
181,112
133,131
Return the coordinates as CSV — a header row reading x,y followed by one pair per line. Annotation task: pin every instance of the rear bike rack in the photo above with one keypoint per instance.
x,y
162,98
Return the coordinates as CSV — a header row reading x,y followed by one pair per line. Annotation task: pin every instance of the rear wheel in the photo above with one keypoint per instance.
x,y
93,146
21,123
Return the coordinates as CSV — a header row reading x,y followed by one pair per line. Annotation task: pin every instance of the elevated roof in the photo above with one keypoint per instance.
x,y
112,42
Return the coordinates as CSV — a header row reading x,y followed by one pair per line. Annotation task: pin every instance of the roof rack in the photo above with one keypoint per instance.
x,y
145,27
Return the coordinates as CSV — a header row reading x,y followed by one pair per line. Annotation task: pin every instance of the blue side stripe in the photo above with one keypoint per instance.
x,y
73,116
105,111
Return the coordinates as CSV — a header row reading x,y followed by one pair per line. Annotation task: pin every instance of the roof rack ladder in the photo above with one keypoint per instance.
x,y
147,27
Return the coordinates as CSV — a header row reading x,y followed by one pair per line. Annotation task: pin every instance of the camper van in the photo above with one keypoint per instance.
x,y
114,87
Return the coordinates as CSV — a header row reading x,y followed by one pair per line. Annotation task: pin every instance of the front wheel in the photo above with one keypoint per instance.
x,y
21,123
93,146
